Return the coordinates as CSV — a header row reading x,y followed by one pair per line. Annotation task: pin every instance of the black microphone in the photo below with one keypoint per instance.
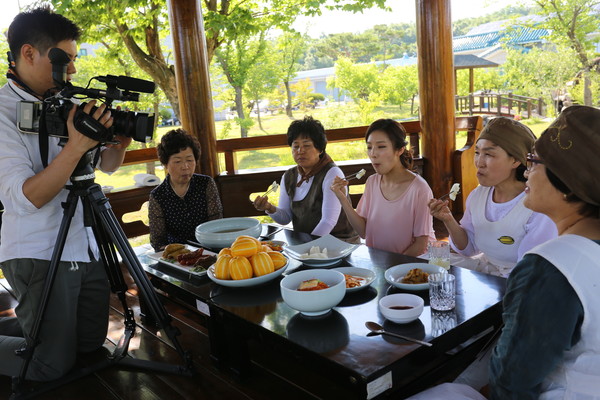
x,y
128,83
60,61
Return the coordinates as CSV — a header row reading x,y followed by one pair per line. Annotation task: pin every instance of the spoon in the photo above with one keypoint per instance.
x,y
376,328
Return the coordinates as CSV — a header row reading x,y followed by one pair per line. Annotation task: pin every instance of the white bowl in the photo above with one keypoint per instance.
x,y
395,274
221,233
404,316
313,302
336,250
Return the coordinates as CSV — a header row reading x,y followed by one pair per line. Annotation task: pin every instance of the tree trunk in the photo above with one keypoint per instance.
x,y
587,91
257,102
288,92
239,106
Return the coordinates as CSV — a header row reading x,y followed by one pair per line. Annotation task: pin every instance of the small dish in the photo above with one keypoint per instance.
x,y
336,250
401,308
367,275
220,233
394,275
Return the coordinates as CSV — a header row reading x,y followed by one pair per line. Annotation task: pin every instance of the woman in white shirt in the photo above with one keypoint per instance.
x,y
496,229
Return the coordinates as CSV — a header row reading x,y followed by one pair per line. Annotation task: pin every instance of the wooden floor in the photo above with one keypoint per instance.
x,y
117,383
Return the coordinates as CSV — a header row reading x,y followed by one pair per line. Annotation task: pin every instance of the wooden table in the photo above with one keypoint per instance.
x,y
332,356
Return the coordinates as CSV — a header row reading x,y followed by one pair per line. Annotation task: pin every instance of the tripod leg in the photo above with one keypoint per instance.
x,y
110,223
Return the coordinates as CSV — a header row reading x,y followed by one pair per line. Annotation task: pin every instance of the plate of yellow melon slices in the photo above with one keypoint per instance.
x,y
247,263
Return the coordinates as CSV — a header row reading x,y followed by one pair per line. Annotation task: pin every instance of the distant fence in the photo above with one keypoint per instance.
x,y
503,104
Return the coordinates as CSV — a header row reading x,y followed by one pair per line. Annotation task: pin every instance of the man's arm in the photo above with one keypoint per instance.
x,y
113,155
45,185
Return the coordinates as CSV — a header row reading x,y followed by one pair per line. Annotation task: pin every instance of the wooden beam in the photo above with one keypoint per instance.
x,y
193,80
436,91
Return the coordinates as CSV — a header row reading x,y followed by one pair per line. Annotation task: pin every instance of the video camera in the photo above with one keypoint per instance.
x,y
50,115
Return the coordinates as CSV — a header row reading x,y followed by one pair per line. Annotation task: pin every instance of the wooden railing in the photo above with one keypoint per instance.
x,y
502,104
235,185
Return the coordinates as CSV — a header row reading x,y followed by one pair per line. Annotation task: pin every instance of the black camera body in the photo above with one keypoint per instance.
x,y
50,115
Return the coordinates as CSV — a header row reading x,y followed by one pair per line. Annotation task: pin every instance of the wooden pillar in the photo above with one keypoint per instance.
x,y
471,81
436,91
193,81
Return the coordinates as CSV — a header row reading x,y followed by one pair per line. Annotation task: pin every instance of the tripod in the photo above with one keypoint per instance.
x,y
98,214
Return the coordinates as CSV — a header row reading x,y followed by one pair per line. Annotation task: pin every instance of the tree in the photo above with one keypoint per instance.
x,y
571,22
290,47
303,90
399,84
359,80
237,58
142,25
539,73
263,78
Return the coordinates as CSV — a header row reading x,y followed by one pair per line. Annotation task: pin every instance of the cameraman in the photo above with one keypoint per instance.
x,y
76,318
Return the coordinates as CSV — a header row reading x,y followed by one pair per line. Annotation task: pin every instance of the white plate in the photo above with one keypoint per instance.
x,y
394,275
367,274
158,257
245,282
336,250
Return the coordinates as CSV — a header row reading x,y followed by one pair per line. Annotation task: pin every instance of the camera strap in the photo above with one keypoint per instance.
x,y
43,138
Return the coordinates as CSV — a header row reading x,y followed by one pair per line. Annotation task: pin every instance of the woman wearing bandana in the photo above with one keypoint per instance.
x,y
496,229
305,198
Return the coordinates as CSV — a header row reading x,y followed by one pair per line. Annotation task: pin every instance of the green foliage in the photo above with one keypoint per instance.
x,y
360,81
399,84
317,96
303,93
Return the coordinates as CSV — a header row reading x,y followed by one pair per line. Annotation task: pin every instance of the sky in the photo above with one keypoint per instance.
x,y
336,22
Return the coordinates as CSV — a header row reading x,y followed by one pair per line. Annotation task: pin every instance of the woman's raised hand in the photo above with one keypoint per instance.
x,y
338,187
261,203
439,209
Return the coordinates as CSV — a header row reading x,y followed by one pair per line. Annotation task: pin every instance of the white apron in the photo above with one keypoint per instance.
x,y
499,240
578,377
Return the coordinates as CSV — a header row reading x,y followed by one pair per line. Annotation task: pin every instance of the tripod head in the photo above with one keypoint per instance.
x,y
83,176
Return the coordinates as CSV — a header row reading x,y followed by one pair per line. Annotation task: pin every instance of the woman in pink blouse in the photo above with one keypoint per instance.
x,y
392,214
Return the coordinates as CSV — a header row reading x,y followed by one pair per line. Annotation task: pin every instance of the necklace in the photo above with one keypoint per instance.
x,y
572,225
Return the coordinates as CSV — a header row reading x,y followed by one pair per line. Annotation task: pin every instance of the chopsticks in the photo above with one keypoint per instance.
x,y
274,186
356,175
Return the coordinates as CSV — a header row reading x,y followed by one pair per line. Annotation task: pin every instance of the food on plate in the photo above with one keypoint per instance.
x,y
262,264
245,246
190,258
312,284
315,252
173,250
226,250
279,260
273,246
454,191
222,267
247,258
354,281
415,276
240,268
204,262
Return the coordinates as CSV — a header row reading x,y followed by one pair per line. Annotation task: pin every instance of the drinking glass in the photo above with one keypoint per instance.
x,y
442,321
442,291
439,254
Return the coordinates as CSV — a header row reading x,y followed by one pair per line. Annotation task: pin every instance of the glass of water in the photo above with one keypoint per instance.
x,y
442,291
439,254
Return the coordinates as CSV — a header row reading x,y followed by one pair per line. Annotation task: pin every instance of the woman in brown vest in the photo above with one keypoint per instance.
x,y
305,198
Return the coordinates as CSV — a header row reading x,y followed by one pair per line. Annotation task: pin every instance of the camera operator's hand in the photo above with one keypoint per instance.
x,y
45,185
78,142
